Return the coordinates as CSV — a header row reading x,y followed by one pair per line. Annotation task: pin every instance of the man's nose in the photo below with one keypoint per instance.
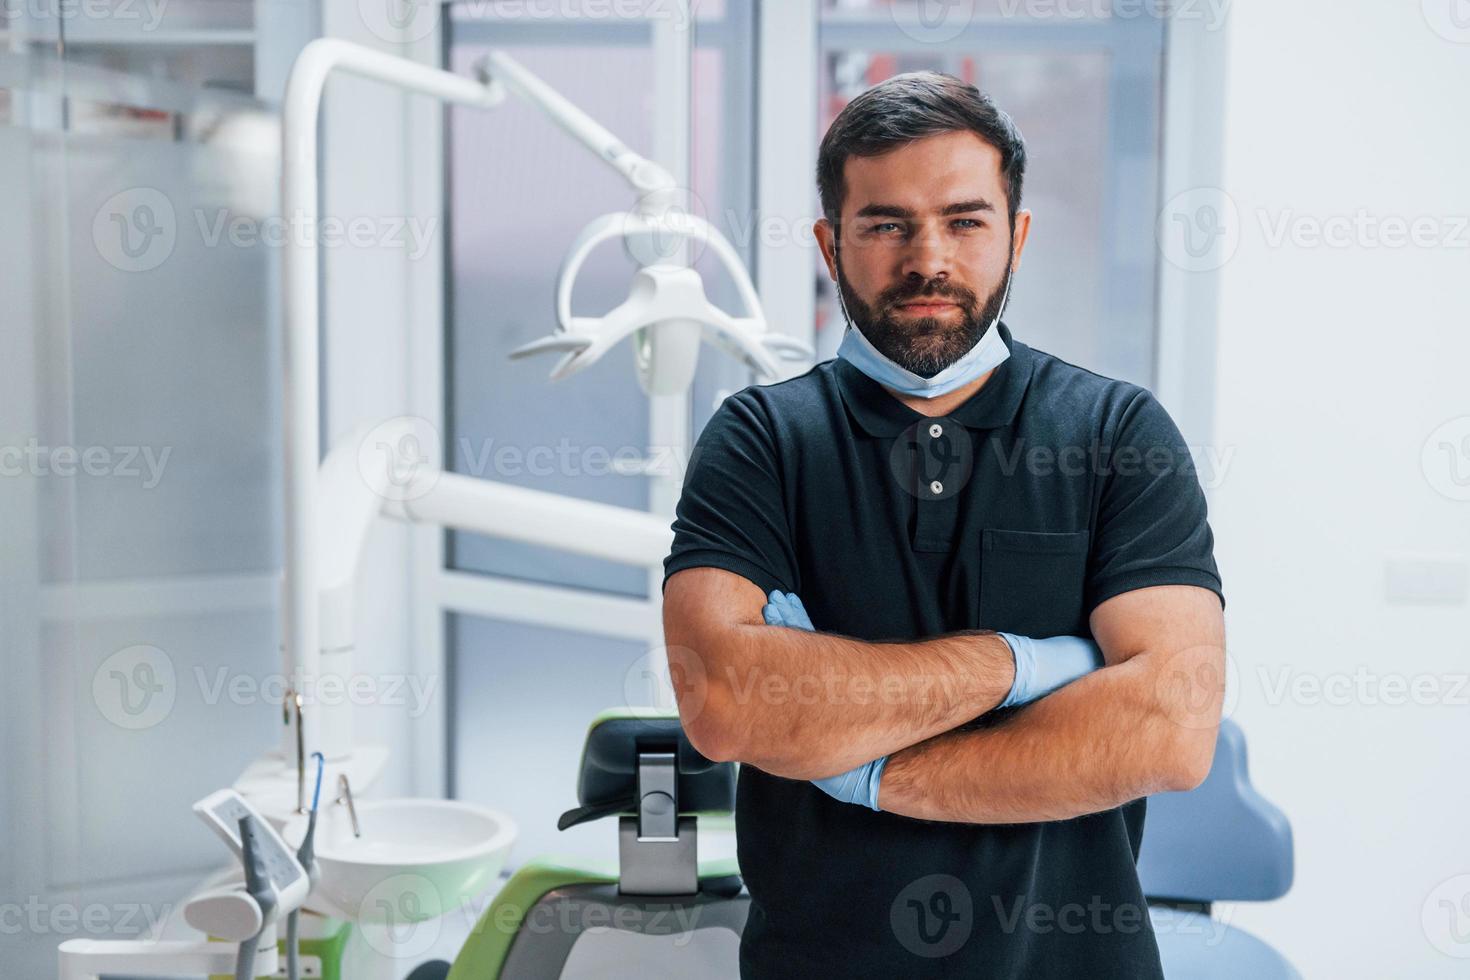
x,y
927,257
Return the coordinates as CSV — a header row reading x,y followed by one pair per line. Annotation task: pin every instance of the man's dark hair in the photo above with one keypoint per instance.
x,y
908,107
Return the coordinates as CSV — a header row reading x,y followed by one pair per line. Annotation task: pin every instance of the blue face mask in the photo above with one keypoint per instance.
x,y
989,351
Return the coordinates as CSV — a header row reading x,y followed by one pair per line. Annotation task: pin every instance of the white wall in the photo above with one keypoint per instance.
x,y
1335,366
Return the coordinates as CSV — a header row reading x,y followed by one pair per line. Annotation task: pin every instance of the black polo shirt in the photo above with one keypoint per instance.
x,y
1047,492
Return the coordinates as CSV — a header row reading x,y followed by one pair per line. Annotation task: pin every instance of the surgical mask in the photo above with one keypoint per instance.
x,y
989,351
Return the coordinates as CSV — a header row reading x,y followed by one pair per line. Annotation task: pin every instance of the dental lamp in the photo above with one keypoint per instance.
x,y
667,311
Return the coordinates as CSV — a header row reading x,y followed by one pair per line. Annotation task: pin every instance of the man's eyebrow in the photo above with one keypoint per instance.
x,y
897,211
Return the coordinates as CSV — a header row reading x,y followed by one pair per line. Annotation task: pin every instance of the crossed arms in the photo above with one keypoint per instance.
x,y
808,705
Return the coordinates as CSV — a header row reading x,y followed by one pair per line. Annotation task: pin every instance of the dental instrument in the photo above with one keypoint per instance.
x,y
344,795
275,882
306,856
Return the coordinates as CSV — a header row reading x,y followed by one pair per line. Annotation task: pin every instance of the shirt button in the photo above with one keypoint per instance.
x,y
936,430
936,488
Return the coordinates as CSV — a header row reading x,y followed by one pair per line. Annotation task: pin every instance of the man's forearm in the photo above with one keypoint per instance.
x,y
810,705
1135,728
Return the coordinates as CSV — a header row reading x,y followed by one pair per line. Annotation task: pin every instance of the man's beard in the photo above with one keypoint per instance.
x,y
924,345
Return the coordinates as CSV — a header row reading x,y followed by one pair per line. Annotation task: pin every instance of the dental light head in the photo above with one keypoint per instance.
x,y
667,312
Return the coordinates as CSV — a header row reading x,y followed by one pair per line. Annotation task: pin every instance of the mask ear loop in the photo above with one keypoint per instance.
x,y
837,264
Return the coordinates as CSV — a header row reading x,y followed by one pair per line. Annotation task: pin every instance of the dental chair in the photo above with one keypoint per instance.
x,y
661,913
563,919
1219,842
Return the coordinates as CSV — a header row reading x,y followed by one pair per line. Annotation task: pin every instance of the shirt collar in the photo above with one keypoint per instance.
x,y
994,405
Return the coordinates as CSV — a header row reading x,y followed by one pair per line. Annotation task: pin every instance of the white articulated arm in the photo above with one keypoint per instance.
x,y
467,503
300,112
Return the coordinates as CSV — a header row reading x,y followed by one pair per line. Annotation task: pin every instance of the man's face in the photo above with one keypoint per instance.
x,y
926,248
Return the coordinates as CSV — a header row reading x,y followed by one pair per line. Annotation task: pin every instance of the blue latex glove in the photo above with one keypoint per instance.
x,y
1042,666
785,609
858,785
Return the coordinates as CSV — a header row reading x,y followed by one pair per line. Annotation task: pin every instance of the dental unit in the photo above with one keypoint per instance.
x,y
330,508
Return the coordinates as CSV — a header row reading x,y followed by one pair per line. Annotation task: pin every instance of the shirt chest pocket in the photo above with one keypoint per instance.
x,y
1031,581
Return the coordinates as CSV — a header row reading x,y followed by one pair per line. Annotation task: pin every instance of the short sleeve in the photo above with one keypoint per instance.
x,y
1151,526
731,513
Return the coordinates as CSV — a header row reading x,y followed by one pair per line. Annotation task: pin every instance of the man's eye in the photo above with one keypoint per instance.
x,y
886,224
969,221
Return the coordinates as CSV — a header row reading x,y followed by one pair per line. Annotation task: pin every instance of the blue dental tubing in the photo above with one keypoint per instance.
x,y
306,854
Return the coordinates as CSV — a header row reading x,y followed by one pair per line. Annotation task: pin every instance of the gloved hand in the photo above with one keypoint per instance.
x,y
1042,666
858,785
785,609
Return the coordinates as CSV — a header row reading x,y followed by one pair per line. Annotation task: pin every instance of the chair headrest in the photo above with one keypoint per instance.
x,y
608,781
1221,841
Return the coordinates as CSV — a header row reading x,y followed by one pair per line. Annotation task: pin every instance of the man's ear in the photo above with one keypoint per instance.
x,y
827,242
1023,229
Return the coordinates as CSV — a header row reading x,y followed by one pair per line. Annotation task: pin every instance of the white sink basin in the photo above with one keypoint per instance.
x,y
416,858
